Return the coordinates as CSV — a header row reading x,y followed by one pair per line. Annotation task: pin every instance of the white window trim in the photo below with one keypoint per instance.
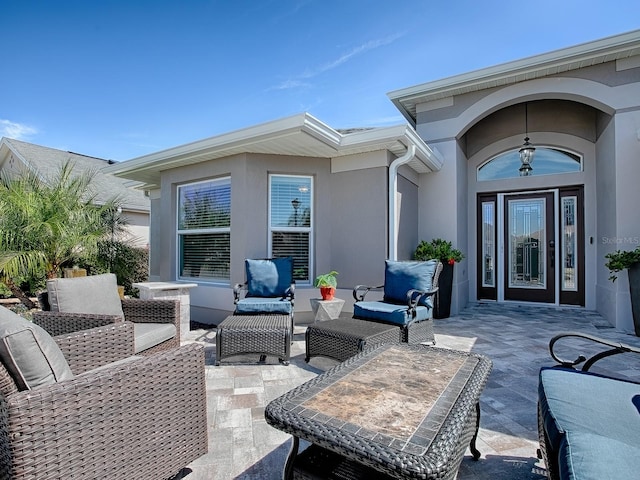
x,y
308,229
180,232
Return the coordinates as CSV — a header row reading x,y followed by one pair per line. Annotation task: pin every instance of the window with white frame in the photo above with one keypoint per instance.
x,y
291,220
204,230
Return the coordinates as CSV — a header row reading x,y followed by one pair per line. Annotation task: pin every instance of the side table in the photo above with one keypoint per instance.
x,y
326,309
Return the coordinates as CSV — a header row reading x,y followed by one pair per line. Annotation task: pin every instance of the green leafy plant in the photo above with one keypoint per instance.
x,y
326,280
621,260
47,223
438,248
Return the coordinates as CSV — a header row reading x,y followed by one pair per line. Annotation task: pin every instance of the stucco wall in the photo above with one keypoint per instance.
x,y
407,206
572,110
350,224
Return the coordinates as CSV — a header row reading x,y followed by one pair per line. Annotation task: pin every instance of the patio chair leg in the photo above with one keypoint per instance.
x,y
472,446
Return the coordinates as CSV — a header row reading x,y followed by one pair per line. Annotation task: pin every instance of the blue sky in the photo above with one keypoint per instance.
x,y
118,79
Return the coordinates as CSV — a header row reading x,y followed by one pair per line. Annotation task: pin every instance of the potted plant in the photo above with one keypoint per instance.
x,y
442,250
327,282
628,260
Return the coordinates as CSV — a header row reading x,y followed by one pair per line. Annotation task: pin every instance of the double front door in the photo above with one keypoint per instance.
x,y
531,246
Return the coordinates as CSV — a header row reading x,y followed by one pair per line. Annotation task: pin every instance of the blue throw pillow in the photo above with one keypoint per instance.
x,y
400,277
269,277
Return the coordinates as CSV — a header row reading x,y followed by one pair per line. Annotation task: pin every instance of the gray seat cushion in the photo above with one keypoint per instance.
x,y
96,294
149,335
29,353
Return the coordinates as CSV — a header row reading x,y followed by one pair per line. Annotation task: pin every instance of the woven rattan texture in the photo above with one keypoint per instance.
x,y
440,461
135,310
144,419
89,349
343,338
254,334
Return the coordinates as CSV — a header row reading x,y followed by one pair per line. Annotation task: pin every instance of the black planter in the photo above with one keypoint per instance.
x,y
634,290
443,296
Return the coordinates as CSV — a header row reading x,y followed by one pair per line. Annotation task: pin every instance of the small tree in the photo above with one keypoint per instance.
x,y
45,222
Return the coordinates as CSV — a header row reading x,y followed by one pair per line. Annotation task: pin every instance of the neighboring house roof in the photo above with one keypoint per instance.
x,y
298,135
615,48
46,162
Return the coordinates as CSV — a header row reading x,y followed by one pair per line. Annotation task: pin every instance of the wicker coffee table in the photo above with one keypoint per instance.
x,y
344,337
254,334
393,411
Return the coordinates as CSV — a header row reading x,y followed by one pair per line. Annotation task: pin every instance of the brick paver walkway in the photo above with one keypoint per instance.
x,y
243,446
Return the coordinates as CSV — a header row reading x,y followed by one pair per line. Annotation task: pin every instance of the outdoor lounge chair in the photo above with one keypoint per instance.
x,y
409,288
67,411
588,422
269,288
85,302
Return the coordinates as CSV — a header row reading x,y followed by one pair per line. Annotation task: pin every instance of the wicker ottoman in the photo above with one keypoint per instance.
x,y
254,334
344,337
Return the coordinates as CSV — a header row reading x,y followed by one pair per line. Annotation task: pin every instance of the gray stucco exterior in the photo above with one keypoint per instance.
x,y
584,100
593,111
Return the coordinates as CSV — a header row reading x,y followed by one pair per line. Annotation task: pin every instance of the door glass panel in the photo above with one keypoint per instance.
x,y
488,244
527,239
569,249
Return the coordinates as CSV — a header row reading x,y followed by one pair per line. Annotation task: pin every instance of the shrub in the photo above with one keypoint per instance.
x,y
438,248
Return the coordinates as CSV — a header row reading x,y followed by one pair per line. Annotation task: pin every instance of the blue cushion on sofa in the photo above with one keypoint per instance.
x,y
269,277
251,305
579,407
389,312
587,456
569,404
400,277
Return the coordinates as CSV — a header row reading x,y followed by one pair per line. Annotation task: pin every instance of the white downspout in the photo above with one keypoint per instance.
x,y
393,189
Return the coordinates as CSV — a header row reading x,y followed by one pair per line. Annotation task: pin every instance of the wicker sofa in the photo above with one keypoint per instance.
x,y
588,423
73,304
82,407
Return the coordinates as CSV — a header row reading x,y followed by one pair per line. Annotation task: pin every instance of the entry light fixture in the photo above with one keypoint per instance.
x,y
527,150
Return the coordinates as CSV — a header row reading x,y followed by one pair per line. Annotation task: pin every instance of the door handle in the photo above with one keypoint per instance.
x,y
552,253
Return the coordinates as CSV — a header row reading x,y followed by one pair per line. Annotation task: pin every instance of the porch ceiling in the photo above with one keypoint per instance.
x,y
580,56
301,135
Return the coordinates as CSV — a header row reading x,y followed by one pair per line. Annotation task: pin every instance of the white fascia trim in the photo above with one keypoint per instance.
x,y
609,46
247,136
403,134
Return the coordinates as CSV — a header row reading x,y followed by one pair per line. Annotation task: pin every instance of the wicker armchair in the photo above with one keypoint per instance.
x,y
148,316
409,289
142,417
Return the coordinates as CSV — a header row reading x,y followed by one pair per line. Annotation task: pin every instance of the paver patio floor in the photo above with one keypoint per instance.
x,y
515,337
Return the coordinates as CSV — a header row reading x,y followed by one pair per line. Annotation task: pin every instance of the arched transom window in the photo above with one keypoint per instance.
x,y
547,161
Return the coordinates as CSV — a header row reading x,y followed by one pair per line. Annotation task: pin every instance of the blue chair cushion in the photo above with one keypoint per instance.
x,y
587,456
578,407
400,277
270,277
389,312
251,305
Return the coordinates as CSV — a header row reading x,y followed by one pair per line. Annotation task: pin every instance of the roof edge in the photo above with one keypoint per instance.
x,y
606,46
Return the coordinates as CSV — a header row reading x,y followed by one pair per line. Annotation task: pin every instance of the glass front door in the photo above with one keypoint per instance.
x,y
518,258
529,248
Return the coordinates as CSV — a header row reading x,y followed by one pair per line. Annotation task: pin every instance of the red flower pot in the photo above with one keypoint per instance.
x,y
327,293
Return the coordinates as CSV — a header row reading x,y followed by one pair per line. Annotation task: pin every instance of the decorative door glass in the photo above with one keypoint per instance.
x,y
569,247
488,244
527,240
